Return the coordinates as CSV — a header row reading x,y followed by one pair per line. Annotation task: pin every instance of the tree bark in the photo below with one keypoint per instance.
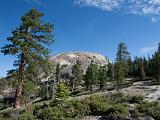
x,y
91,88
18,93
73,87
102,85
143,72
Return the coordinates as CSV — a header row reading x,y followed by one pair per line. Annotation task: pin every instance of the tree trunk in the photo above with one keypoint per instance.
x,y
73,87
25,103
158,77
91,88
143,73
17,96
102,85
18,93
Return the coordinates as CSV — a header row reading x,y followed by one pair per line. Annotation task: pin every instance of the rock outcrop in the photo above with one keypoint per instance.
x,y
84,58
69,59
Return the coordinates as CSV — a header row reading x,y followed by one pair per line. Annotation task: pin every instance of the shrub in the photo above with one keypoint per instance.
x,y
146,106
76,109
155,112
114,106
50,113
98,105
150,108
27,117
118,97
134,113
61,110
118,111
135,99
62,92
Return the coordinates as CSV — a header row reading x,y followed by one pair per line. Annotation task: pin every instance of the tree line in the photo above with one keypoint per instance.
x,y
139,68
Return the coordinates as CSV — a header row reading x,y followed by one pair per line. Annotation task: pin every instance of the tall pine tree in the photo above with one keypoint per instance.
x,y
28,43
58,68
120,67
77,75
110,71
155,66
122,53
91,76
102,77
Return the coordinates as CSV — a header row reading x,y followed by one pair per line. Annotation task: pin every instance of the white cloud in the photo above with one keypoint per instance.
x,y
149,49
107,5
38,2
154,19
150,8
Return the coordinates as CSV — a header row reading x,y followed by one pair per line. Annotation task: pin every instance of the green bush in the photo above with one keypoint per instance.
x,y
155,112
114,106
62,110
99,105
118,111
146,106
150,108
50,113
134,113
76,109
135,99
62,91
27,117
118,97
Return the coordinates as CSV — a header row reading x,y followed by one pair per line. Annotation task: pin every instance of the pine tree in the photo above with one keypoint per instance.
x,y
102,77
119,73
91,75
135,67
122,56
62,92
139,68
110,71
158,47
28,42
129,67
146,66
122,53
155,66
58,73
77,75
120,67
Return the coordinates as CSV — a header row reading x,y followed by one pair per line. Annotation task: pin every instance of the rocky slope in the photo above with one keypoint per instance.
x,y
85,58
69,59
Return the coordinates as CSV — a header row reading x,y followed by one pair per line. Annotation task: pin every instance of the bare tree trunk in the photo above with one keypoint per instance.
x,y
18,93
73,87
25,103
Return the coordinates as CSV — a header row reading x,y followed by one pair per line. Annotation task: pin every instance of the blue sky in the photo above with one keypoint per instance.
x,y
88,25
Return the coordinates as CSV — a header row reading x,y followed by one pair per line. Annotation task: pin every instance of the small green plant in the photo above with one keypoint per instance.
x,y
27,117
62,91
135,99
150,108
118,111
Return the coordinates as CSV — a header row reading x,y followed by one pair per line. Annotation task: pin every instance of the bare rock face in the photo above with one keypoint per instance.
x,y
69,59
84,58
